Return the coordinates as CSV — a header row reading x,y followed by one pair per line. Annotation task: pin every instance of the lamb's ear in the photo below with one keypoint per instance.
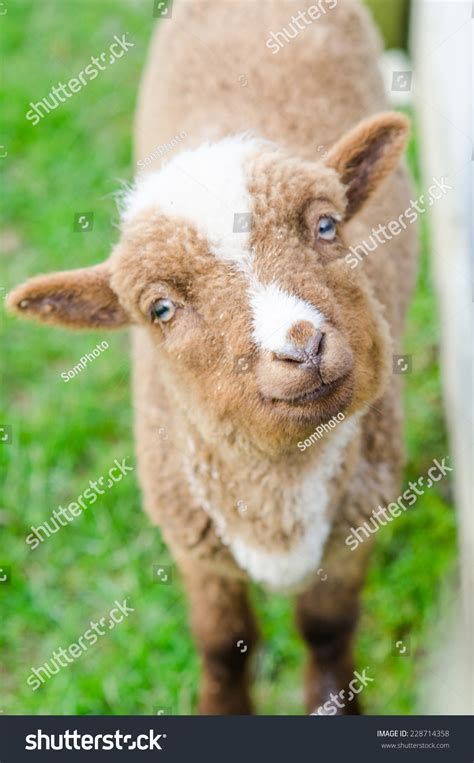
x,y
74,298
367,154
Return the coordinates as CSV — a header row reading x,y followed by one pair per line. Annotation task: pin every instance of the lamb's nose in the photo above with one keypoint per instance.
x,y
307,353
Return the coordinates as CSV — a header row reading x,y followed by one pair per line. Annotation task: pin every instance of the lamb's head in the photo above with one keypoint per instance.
x,y
232,259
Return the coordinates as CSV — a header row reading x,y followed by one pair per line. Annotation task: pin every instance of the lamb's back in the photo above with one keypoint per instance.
x,y
211,73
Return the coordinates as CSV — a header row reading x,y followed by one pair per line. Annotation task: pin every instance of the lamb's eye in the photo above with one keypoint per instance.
x,y
163,310
326,228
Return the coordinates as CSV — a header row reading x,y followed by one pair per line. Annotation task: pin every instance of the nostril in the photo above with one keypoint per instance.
x,y
290,353
315,346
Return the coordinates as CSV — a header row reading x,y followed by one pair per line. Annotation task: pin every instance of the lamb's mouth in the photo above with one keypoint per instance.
x,y
310,396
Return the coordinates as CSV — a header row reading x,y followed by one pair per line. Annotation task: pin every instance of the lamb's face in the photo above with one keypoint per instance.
x,y
232,258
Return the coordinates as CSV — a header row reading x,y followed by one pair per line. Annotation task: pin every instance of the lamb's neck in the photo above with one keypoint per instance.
x,y
235,454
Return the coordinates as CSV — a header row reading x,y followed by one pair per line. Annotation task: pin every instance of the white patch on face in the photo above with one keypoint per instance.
x,y
207,187
274,312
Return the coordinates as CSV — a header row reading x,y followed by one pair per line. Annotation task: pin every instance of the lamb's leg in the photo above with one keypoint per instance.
x,y
225,632
326,616
329,637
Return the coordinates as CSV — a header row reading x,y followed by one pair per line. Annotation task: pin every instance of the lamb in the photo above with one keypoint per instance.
x,y
250,329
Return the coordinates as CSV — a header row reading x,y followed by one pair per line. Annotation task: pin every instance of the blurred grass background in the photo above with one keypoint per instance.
x,y
65,434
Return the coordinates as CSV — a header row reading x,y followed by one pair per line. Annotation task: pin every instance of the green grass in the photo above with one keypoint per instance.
x,y
67,433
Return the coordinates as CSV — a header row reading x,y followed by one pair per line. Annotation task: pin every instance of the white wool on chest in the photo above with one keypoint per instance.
x,y
287,570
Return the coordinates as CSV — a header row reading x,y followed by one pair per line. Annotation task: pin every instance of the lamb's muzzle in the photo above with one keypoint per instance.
x,y
312,365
